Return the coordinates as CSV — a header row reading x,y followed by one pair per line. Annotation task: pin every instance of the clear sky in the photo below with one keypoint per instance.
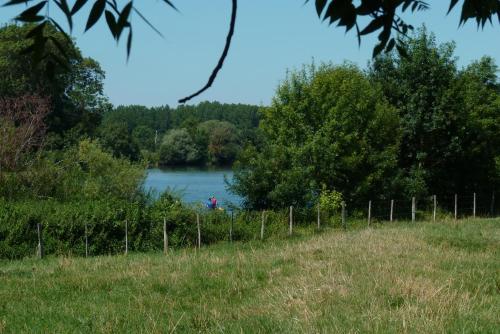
x,y
271,36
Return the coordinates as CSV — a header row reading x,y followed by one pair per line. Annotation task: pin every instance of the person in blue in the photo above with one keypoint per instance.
x,y
209,203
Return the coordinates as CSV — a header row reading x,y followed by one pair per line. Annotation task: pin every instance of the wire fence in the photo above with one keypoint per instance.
x,y
210,226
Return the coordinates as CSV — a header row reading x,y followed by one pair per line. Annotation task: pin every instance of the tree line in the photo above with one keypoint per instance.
x,y
209,133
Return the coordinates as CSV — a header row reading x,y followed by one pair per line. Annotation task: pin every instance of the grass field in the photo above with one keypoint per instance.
x,y
399,277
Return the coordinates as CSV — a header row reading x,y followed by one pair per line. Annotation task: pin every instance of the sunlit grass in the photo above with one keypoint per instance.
x,y
399,277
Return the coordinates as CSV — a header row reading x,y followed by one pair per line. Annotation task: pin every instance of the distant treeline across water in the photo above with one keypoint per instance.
x,y
207,134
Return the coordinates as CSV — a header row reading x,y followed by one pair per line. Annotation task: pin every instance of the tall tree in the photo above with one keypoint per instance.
x,y
117,139
480,89
327,128
437,105
177,148
219,140
74,87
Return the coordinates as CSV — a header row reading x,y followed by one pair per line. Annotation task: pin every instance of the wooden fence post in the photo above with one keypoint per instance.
x,y
319,219
369,212
39,250
434,199
262,226
392,210
492,206
165,236
456,206
231,228
413,209
474,207
199,230
86,241
290,231
126,236
343,216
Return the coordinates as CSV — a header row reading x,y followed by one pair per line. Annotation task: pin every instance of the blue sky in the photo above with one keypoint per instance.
x,y
271,36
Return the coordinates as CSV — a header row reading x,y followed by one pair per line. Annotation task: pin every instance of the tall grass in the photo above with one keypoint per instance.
x,y
399,277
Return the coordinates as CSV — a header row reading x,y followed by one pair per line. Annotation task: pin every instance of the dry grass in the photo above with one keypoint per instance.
x,y
396,278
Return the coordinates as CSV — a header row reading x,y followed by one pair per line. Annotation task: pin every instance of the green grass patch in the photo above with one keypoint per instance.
x,y
397,277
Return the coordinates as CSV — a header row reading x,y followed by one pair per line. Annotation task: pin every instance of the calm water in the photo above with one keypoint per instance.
x,y
194,185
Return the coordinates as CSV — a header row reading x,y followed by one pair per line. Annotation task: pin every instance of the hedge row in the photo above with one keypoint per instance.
x,y
63,226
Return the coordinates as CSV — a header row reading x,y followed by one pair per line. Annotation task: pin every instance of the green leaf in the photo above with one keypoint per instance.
x,y
63,5
390,45
110,19
375,24
77,6
377,49
35,18
16,2
320,6
170,4
129,42
402,51
406,4
37,30
123,19
31,12
334,11
452,5
368,7
114,6
349,17
95,13
54,22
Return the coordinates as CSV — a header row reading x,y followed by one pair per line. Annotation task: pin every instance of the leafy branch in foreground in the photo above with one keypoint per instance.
x,y
384,17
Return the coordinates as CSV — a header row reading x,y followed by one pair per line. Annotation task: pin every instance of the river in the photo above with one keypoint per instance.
x,y
192,184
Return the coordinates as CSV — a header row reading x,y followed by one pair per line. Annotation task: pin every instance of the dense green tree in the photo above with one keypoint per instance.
x,y
116,138
327,128
480,90
220,141
144,137
178,148
441,111
75,89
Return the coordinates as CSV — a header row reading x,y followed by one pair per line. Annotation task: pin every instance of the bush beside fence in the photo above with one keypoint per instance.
x,y
112,227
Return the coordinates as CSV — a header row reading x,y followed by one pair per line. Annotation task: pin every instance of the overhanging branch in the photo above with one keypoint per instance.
x,y
217,68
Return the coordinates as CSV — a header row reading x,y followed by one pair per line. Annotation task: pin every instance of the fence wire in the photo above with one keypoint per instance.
x,y
243,225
